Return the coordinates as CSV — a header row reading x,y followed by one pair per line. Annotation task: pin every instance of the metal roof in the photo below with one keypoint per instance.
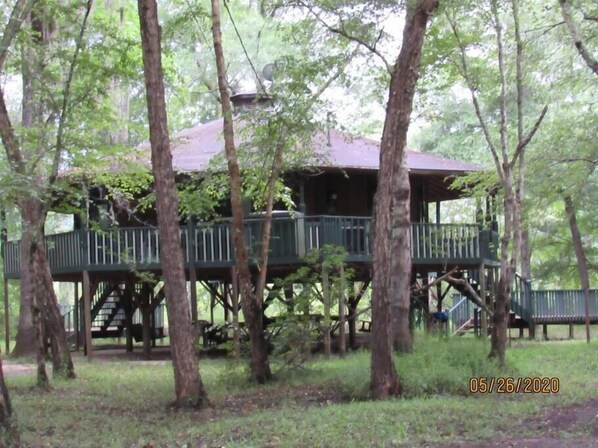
x,y
193,148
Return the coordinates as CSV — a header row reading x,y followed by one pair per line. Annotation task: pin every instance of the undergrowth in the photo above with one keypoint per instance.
x,y
323,403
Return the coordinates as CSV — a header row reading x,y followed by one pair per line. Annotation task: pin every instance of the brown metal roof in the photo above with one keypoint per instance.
x,y
193,148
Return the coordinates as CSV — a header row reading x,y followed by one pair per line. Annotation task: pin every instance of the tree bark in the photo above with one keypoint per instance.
x,y
9,434
62,363
391,212
188,386
252,301
582,263
579,42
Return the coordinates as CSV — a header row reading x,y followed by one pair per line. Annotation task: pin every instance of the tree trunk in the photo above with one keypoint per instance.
x,y
392,255
500,319
37,285
582,263
9,433
26,341
580,43
188,386
400,261
252,301
62,363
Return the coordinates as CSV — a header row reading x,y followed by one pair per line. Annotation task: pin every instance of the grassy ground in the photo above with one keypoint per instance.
x,y
126,403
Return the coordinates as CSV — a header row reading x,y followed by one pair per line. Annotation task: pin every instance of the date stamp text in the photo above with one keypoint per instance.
x,y
511,385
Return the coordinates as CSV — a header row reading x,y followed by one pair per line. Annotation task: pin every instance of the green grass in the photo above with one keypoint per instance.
x,y
122,403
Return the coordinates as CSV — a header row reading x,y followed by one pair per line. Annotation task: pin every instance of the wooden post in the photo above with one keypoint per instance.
x,y
128,299
571,336
193,297
545,331
4,236
76,324
483,314
6,317
146,328
87,315
326,299
342,339
193,294
235,300
212,305
225,289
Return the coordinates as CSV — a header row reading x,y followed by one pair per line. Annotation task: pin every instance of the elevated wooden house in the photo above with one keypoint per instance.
x,y
334,197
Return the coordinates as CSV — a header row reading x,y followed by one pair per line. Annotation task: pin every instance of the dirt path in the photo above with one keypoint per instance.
x,y
12,369
574,426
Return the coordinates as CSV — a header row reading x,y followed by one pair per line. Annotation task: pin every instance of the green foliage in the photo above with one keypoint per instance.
x,y
301,334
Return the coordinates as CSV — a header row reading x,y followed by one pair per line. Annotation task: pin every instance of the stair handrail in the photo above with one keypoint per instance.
x,y
521,300
452,311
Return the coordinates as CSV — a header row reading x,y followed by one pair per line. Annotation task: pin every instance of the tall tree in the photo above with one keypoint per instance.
x,y
252,300
508,159
21,9
579,40
35,158
391,212
274,132
188,386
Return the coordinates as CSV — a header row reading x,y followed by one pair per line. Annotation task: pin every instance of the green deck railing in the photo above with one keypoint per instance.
x,y
567,306
210,244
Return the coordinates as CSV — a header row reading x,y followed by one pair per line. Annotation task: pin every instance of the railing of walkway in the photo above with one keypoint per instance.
x,y
210,245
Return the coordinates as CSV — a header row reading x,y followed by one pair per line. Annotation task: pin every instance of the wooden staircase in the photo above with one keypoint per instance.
x,y
109,309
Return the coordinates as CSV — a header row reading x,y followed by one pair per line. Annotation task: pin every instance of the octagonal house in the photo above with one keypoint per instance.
x,y
334,197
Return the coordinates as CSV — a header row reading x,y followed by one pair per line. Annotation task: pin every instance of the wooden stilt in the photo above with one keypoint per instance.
x,y
6,317
521,333
212,305
342,338
4,238
326,300
87,314
571,335
235,300
193,294
127,297
545,331
146,329
193,297
76,325
225,302
483,314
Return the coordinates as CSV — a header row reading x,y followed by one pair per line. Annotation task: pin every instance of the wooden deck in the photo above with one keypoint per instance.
x,y
535,307
209,246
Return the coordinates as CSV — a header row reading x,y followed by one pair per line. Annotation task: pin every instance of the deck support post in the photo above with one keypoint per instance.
x,y
76,324
128,299
545,331
87,315
4,239
342,337
193,297
326,301
146,329
212,305
193,294
6,317
571,336
482,292
235,300
225,302
352,311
